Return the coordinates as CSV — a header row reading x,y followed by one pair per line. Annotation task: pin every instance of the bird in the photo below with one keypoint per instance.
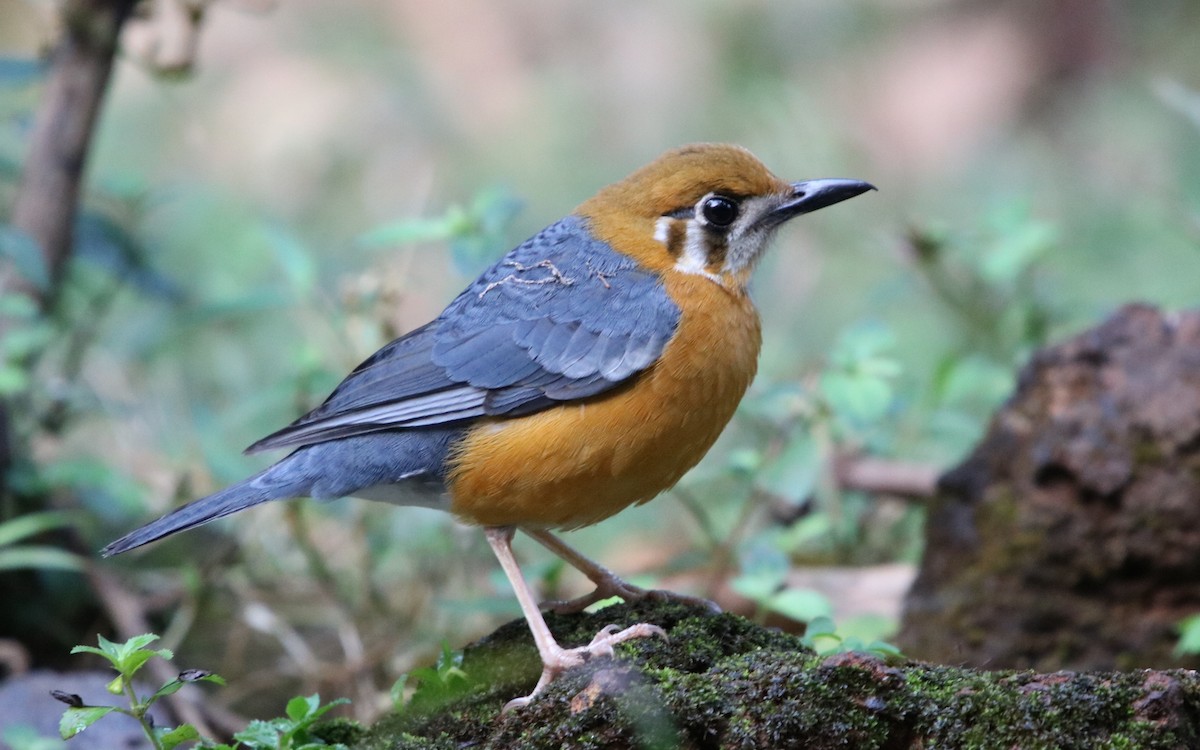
x,y
584,372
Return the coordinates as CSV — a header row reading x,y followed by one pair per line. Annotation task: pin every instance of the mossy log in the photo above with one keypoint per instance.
x,y
721,681
1070,537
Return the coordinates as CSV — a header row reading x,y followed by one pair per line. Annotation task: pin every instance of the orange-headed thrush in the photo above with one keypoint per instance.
x,y
585,371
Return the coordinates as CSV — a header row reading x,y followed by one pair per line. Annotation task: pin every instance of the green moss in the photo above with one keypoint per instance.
x,y
722,682
343,731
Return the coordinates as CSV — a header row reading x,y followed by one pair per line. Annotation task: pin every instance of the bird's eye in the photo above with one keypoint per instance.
x,y
719,211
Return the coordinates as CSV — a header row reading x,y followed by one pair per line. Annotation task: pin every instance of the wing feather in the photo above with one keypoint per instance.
x,y
561,317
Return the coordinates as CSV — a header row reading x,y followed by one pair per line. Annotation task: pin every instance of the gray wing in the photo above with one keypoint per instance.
x,y
561,317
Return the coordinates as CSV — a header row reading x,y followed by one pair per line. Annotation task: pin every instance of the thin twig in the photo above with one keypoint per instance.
x,y
882,477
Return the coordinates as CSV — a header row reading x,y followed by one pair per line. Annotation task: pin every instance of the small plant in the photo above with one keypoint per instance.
x,y
763,581
1189,636
820,634
127,659
291,732
436,684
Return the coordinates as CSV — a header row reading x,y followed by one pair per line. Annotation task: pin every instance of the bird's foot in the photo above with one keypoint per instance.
x,y
559,660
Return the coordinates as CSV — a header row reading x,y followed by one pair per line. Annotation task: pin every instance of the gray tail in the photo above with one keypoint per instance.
x,y
245,494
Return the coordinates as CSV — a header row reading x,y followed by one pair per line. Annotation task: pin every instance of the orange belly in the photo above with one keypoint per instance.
x,y
576,464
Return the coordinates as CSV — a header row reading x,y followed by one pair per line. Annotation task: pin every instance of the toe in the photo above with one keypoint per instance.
x,y
604,634
516,703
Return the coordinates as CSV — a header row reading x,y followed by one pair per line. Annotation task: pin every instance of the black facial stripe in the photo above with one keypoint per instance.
x,y
716,247
676,237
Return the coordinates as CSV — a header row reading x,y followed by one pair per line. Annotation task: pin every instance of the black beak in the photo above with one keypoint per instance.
x,y
811,195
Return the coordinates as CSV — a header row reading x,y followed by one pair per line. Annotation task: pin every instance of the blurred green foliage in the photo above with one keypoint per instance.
x,y
14,556
1189,636
331,174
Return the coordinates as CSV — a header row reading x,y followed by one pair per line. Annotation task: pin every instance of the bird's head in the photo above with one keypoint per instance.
x,y
708,209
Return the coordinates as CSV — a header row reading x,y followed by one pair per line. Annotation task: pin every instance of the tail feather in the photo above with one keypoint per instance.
x,y
325,471
245,494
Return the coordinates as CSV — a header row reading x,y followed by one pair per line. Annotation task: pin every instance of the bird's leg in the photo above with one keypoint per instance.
x,y
555,659
608,583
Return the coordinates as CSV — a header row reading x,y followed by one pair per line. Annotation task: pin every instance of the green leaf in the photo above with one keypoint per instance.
x,y
129,656
1019,247
259,734
168,688
883,648
794,472
861,399
801,605
75,720
820,625
745,461
868,628
757,586
815,527
860,343
397,691
857,384
310,709
170,739
22,341
13,380
301,707
136,643
974,380
820,634
32,523
134,661
20,306
40,557
91,650
295,259
1189,636
410,231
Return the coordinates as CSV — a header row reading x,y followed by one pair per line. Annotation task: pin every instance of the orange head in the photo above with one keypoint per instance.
x,y
708,209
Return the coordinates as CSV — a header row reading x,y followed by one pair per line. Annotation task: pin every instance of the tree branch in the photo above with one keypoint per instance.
x,y
48,196
880,477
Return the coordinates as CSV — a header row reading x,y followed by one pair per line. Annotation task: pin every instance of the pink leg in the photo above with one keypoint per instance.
x,y
608,584
555,659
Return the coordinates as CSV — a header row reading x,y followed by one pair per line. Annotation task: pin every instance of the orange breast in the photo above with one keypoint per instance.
x,y
577,464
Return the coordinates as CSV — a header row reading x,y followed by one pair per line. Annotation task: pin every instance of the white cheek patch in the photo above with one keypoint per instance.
x,y
745,243
662,230
743,250
694,257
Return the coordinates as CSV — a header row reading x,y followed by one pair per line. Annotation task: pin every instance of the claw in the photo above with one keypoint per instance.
x,y
562,659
